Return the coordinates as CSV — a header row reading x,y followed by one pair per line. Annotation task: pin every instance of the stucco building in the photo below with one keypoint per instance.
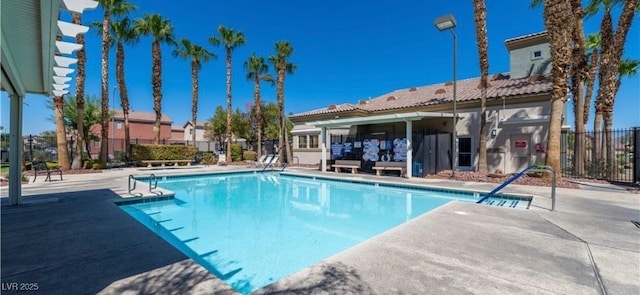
x,y
415,124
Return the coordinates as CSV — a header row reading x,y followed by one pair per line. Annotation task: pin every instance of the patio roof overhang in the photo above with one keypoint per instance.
x,y
380,119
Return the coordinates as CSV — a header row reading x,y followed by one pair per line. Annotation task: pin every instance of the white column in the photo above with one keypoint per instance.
x,y
409,148
15,149
323,140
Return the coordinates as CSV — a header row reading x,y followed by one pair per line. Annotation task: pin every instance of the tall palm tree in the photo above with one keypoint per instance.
x,y
80,78
198,55
231,40
557,13
593,45
115,7
612,45
123,32
578,77
257,70
61,134
480,15
161,30
279,61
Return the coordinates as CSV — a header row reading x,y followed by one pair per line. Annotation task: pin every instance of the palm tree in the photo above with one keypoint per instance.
x,y
115,7
593,44
480,14
557,13
231,40
123,32
61,134
578,77
612,45
80,78
257,70
279,61
198,55
161,30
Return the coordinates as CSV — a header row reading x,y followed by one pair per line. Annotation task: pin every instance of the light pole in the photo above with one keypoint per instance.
x,y
113,123
448,23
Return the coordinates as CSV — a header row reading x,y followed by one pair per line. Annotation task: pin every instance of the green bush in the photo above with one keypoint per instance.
x,y
142,152
250,155
97,165
87,163
236,152
52,165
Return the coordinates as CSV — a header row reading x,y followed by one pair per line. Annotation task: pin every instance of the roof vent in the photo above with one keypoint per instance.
x,y
332,107
448,83
391,98
441,91
500,77
412,89
363,102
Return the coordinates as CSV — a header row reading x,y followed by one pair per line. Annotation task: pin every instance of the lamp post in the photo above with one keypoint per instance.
x,y
113,124
448,23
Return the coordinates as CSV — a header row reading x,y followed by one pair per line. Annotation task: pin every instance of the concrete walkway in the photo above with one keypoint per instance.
x,y
70,238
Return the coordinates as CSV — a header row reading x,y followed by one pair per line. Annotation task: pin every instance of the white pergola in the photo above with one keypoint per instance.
x,y
408,118
34,62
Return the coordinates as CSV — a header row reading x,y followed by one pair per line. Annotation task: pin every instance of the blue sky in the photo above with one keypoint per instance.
x,y
345,51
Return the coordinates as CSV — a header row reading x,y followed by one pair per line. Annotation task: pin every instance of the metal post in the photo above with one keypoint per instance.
x,y
30,148
454,158
16,145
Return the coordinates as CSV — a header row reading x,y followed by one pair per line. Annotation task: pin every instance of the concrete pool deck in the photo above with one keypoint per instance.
x,y
70,238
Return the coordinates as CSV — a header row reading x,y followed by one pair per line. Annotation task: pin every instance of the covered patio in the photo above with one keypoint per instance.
x,y
407,118
36,46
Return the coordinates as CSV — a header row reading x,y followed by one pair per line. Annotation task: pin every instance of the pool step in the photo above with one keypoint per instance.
x,y
507,203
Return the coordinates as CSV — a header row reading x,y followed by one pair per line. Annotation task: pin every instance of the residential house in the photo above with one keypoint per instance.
x,y
414,125
141,131
177,133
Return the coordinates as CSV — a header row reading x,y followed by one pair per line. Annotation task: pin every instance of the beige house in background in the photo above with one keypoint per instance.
x,y
518,109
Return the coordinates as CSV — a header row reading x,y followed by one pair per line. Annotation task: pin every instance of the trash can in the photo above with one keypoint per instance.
x,y
416,170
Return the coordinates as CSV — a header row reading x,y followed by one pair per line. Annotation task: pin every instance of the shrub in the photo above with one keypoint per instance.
x,y
52,165
209,159
250,155
142,152
87,164
236,152
98,165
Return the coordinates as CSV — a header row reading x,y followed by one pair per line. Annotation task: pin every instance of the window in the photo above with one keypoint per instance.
x,y
313,141
190,131
536,55
118,125
96,143
302,142
465,154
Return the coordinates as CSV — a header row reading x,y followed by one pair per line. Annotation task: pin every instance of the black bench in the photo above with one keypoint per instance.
x,y
41,167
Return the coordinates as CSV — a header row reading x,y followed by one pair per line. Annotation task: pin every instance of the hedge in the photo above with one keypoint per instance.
x,y
142,152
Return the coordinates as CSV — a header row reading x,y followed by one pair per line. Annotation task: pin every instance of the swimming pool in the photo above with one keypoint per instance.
x,y
251,229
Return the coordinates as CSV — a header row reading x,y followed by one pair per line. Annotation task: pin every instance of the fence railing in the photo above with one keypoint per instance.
x,y
611,156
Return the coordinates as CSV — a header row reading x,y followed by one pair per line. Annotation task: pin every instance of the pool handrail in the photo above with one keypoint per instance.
x,y
534,168
132,187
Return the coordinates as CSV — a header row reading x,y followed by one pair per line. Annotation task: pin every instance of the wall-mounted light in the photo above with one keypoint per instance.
x,y
493,133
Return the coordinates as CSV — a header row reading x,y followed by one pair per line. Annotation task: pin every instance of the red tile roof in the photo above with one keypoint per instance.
x,y
141,116
467,90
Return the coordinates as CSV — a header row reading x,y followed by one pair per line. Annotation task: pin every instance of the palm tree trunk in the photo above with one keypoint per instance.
x,y
480,15
124,98
280,97
258,106
228,154
578,76
61,135
104,132
286,143
597,138
194,100
557,13
156,81
611,151
80,79
591,81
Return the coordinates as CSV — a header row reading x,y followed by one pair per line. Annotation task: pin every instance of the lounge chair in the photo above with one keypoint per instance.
x,y
256,163
261,164
222,159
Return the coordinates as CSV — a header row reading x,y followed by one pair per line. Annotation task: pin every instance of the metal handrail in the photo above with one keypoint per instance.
x,y
534,168
553,182
131,188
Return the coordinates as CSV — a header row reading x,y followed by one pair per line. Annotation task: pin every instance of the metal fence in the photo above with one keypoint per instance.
x,y
621,144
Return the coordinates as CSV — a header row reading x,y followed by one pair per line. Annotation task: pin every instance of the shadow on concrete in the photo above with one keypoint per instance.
x,y
81,243
332,278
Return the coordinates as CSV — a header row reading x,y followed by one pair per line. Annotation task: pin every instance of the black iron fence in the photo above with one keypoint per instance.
x,y
612,156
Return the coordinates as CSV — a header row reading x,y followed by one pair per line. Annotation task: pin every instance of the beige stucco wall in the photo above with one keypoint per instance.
x,y
527,120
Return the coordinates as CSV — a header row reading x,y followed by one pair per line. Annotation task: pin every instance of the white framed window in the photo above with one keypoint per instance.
x,y
96,143
313,141
536,54
118,125
302,141
465,152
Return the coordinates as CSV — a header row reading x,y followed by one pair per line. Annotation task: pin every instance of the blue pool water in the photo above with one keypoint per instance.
x,y
253,229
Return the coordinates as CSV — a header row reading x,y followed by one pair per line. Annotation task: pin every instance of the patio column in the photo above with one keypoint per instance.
x,y
15,149
409,131
323,142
